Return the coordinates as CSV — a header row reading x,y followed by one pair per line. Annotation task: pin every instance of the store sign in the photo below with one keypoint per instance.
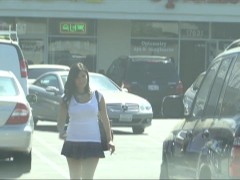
x,y
193,33
214,1
73,28
151,46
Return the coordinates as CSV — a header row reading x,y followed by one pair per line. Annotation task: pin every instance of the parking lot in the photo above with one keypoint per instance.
x,y
136,157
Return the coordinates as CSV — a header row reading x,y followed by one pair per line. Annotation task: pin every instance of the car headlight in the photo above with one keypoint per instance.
x,y
146,107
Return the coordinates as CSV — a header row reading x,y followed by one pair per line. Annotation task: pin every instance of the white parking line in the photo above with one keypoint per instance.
x,y
51,164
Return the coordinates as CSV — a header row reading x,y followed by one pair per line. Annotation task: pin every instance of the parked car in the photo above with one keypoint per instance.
x,y
206,143
36,70
124,109
12,59
16,121
191,92
151,77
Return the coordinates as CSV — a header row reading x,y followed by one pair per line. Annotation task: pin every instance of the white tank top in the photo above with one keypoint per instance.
x,y
83,121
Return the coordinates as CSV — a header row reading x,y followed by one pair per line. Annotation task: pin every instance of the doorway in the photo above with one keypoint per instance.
x,y
192,61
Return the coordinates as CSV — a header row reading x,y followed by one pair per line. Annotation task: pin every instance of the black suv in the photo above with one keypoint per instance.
x,y
206,143
151,77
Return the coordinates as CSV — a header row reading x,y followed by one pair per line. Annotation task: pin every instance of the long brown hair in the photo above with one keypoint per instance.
x,y
70,87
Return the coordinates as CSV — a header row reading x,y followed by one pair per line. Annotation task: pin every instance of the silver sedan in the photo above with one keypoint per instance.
x,y
16,122
124,109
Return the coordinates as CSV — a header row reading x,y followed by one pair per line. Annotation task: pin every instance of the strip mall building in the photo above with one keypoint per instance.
x,y
98,31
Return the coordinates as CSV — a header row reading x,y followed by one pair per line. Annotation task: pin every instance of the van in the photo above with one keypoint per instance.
x,y
12,59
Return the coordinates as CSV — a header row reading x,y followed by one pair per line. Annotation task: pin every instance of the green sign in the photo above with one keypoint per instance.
x,y
73,28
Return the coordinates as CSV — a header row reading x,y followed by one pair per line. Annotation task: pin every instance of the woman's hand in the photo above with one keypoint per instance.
x,y
111,147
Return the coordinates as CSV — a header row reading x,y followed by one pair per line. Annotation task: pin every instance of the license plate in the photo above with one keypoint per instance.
x,y
125,118
153,87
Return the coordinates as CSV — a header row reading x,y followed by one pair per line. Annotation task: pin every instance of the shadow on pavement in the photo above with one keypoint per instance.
x,y
9,170
49,128
119,132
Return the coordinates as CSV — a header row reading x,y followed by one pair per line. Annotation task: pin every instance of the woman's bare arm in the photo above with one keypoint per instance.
x,y
62,116
105,119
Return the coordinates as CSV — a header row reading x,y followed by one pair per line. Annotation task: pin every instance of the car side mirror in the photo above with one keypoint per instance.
x,y
52,89
124,89
172,106
32,98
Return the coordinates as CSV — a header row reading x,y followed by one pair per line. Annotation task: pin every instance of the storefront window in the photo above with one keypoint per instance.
x,y
33,50
6,22
31,34
194,30
69,51
73,41
225,31
154,29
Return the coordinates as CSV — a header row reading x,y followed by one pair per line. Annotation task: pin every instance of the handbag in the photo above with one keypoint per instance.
x,y
103,134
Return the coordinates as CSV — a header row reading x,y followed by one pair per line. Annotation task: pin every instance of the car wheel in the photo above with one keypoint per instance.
x,y
164,171
23,161
138,130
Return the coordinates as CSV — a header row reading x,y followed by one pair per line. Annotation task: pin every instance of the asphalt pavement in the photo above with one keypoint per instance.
x,y
136,156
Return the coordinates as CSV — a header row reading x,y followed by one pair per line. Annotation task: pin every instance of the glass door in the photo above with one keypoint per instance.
x,y
192,61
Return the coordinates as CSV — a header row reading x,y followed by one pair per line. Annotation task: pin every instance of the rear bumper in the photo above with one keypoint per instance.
x,y
142,120
16,138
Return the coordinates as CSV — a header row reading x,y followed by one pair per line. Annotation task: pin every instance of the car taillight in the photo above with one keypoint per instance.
x,y
19,115
179,88
234,164
23,68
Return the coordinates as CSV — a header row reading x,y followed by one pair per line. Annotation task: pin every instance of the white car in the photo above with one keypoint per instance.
x,y
16,121
124,109
12,59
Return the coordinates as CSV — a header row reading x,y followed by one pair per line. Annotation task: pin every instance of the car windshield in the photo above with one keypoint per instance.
x,y
98,82
102,83
149,70
8,87
36,72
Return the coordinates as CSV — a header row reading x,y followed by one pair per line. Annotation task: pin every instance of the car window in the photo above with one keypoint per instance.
x,y
8,87
35,73
9,59
112,68
64,79
102,83
151,70
198,81
204,90
116,71
230,104
217,87
49,80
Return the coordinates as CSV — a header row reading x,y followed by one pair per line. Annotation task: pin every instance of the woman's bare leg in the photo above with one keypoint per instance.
x,y
89,166
75,168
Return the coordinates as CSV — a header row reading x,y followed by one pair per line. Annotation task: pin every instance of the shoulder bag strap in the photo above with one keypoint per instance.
x,y
97,97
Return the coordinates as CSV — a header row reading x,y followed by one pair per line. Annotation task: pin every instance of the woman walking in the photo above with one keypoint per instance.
x,y
82,146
